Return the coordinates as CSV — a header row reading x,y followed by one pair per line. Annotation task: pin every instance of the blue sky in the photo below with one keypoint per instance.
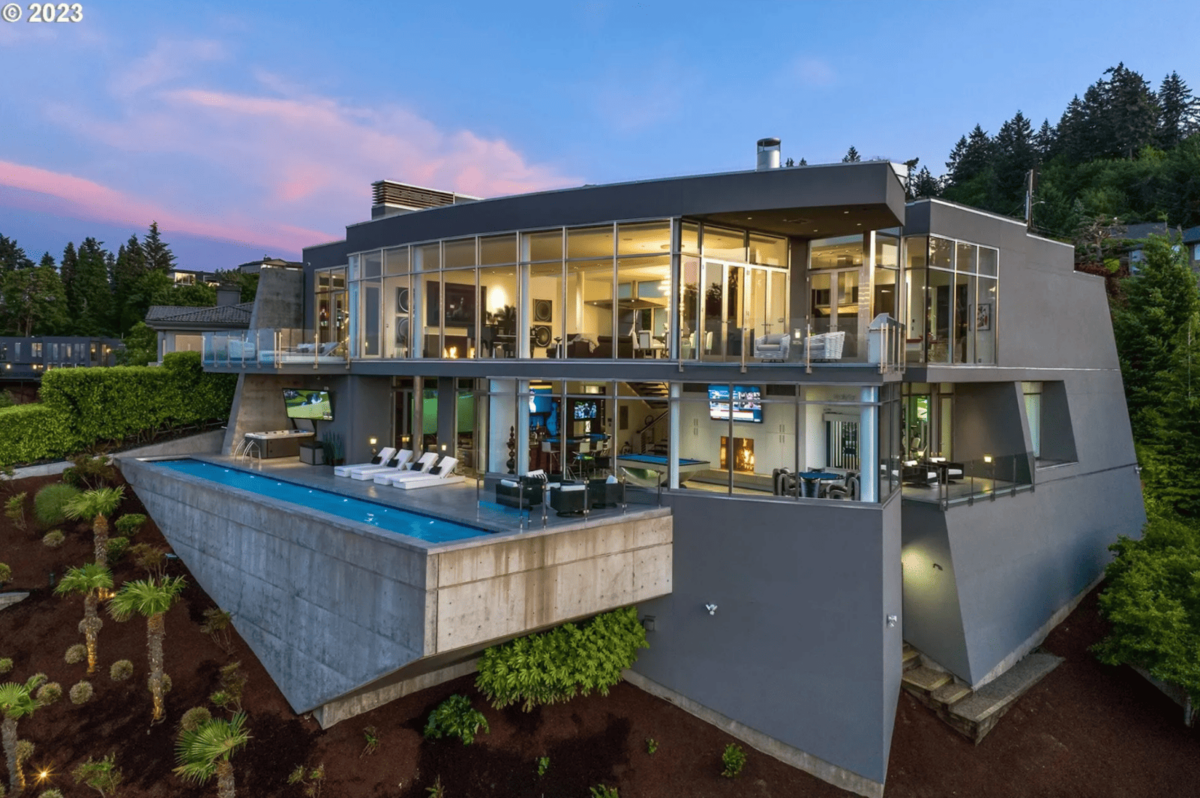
x,y
256,128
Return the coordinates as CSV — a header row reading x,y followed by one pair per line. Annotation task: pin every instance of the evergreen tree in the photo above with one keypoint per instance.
x,y
971,157
926,185
1161,301
12,256
1072,132
1044,141
157,252
32,301
93,291
128,271
48,260
1179,114
851,155
1014,154
68,269
1132,112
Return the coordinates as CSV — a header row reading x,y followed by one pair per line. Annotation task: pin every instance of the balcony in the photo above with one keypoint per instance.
x,y
947,484
272,347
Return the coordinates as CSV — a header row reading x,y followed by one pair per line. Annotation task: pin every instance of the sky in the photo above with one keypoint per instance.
x,y
256,128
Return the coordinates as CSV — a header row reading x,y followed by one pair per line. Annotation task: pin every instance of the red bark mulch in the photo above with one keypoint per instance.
x,y
1086,730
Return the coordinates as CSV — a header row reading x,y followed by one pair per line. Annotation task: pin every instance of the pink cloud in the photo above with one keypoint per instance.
x,y
87,199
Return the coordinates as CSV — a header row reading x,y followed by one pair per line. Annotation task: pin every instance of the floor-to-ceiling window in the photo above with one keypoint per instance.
x,y
952,301
332,318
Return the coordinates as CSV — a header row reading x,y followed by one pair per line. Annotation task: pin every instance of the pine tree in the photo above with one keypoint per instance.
x,y
33,301
157,252
1044,142
128,271
93,291
851,155
1179,114
926,185
1072,132
1014,155
12,256
68,269
1132,110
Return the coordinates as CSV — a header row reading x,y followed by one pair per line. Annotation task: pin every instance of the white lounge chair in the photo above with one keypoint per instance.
x,y
385,454
421,466
392,466
441,474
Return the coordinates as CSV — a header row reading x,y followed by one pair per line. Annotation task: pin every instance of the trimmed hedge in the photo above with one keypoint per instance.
x,y
83,407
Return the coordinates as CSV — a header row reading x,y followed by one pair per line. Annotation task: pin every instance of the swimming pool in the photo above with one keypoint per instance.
x,y
391,519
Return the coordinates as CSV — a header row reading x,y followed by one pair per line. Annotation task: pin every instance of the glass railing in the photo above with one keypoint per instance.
x,y
271,347
947,482
881,345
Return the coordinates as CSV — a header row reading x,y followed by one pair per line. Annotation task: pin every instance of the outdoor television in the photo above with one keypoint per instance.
x,y
747,403
586,409
306,403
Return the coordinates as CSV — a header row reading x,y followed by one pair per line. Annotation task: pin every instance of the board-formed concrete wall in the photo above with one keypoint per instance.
x,y
330,606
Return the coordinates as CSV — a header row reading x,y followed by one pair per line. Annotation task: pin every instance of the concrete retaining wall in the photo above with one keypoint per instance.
x,y
331,606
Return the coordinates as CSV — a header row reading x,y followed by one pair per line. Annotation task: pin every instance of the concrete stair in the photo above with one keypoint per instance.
x,y
972,713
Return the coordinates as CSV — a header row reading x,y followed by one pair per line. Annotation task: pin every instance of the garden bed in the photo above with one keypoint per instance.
x,y
1086,730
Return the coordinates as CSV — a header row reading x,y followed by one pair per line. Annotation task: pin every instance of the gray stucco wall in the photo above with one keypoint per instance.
x,y
799,648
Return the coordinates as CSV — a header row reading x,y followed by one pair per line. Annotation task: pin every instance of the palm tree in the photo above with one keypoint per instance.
x,y
88,581
206,750
96,506
16,702
152,600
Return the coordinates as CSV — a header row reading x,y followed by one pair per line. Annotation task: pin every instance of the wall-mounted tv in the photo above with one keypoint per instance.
x,y
747,403
308,403
586,409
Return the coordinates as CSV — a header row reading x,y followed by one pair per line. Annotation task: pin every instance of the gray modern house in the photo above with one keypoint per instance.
x,y
843,421
28,358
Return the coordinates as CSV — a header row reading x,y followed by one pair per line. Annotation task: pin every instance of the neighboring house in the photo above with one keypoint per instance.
x,y
1191,240
29,358
193,277
181,328
859,422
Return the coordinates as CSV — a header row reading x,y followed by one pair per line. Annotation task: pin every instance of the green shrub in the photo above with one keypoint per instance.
x,y
130,524
48,693
36,680
734,759
14,509
84,407
121,670
554,666
81,693
604,791
50,793
5,573
371,735
76,654
6,665
53,539
651,745
92,473
103,776
194,718
455,717
51,501
116,549
543,764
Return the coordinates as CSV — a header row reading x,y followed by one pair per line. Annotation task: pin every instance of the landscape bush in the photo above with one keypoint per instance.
x,y
50,503
82,408
194,718
14,510
455,717
81,693
53,539
6,664
76,654
121,670
734,759
50,793
130,524
5,573
48,693
556,665
116,549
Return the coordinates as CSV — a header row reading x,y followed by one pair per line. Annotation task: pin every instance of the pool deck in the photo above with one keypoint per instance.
x,y
462,502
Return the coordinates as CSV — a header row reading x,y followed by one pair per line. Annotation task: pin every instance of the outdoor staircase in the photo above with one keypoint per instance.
x,y
972,713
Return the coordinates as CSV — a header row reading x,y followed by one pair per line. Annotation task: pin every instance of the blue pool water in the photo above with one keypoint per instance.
x,y
392,519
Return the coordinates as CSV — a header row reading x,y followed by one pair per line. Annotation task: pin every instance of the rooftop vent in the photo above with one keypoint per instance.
x,y
768,154
391,198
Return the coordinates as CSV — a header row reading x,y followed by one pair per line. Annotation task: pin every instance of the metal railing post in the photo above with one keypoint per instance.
x,y
808,348
743,347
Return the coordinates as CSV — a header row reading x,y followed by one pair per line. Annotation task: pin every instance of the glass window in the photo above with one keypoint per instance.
x,y
768,250
372,263
644,291
498,250
546,245
397,316
724,244
590,242
988,261
836,253
644,238
459,253
941,253
985,322
590,312
965,316
938,309
545,310
966,258
690,335
428,258
690,238
395,260
498,298
458,313
1033,410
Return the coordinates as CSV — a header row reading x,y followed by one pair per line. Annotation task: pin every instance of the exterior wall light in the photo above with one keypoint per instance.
x,y
648,623
712,608
987,458
373,441
892,620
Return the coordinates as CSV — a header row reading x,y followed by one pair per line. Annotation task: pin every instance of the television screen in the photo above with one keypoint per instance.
x,y
586,408
747,403
306,403
541,402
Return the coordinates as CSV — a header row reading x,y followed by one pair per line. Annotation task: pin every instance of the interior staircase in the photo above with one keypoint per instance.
x,y
972,713
649,390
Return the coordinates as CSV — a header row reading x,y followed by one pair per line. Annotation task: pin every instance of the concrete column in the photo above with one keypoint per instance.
x,y
868,445
675,389
523,422
447,419
502,416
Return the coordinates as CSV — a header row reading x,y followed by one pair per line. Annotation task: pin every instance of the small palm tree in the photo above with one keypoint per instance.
x,y
206,750
16,702
88,581
151,600
96,506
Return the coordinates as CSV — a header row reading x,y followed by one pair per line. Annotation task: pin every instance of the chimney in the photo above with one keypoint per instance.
x,y
228,294
768,154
